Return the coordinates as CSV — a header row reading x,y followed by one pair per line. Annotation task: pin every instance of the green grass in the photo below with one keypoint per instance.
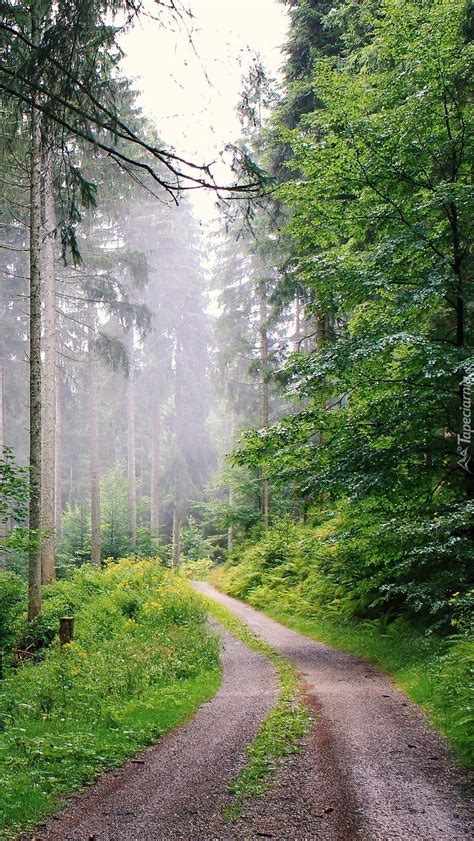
x,y
282,729
141,662
435,673
46,761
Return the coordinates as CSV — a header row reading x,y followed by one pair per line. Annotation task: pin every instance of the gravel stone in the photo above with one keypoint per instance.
x,y
177,789
372,768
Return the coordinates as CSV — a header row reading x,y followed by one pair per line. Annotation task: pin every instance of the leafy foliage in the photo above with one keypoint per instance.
x,y
380,222
359,560
13,487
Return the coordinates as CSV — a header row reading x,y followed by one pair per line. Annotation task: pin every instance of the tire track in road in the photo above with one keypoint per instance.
x,y
372,769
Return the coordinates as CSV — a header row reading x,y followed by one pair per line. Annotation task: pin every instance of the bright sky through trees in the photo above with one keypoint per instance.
x,y
191,78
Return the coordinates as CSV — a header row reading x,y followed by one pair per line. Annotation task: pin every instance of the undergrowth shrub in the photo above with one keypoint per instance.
x,y
361,560
197,570
136,627
140,635
12,601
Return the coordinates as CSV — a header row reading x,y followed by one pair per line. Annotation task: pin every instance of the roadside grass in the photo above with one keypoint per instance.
x,y
141,663
47,763
282,729
435,672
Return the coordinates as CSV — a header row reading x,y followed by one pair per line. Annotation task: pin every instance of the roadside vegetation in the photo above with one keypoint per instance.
x,y
297,409
141,661
281,731
291,574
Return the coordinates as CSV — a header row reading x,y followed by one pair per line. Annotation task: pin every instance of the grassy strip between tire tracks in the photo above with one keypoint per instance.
x,y
282,729
434,672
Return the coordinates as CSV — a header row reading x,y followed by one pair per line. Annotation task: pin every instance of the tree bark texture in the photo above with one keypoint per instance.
x,y
34,564
58,502
48,385
131,456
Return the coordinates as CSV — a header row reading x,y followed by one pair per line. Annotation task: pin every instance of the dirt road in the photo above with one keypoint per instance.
x,y
371,769
178,788
372,760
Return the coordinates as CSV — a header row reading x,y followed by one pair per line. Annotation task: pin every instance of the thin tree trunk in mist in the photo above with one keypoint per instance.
x,y
34,561
70,490
230,530
3,525
58,502
155,473
264,393
94,441
48,386
176,535
230,492
132,481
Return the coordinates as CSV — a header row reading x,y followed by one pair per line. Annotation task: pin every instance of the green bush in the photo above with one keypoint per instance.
x,y
141,644
365,559
197,570
12,600
194,546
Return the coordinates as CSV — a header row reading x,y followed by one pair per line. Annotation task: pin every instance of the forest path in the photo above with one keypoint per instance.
x,y
177,789
372,768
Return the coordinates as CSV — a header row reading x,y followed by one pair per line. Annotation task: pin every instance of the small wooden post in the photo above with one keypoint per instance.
x,y
66,629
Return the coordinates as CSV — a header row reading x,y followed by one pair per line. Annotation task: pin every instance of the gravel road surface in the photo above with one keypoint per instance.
x,y
371,769
181,788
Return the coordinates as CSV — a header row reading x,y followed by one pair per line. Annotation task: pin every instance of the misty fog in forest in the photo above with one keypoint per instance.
x,y
236,370
136,406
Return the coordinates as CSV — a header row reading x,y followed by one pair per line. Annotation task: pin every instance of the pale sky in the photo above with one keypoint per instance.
x,y
190,75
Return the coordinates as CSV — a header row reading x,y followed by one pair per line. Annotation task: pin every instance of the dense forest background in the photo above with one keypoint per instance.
x,y
289,393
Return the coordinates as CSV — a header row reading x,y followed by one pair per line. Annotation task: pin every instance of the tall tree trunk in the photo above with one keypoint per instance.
x,y
176,534
48,464
230,530
58,501
264,391
230,490
155,471
34,561
94,442
132,481
3,524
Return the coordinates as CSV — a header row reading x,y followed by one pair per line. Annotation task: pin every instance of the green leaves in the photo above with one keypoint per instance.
x,y
13,487
380,222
